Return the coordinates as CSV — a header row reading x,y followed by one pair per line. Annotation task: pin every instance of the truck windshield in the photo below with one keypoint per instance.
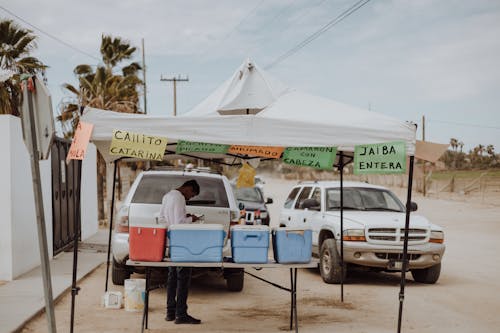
x,y
248,194
359,198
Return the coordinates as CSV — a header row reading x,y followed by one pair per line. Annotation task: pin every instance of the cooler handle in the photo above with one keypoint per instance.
x,y
139,231
253,236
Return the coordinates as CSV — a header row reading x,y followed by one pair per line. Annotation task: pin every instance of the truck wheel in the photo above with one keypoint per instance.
x,y
428,275
235,280
119,273
329,263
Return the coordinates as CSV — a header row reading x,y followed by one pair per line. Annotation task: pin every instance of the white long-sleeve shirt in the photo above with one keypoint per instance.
x,y
173,209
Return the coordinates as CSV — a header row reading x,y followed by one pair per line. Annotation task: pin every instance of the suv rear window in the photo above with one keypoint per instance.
x,y
152,188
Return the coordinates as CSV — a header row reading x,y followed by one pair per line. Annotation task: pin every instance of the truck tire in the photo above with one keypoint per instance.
x,y
235,281
428,275
329,263
119,273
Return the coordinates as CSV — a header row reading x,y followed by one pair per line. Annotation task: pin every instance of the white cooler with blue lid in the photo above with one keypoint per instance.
x,y
250,243
196,242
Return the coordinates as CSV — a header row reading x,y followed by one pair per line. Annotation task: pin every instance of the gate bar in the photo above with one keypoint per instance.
x,y
112,208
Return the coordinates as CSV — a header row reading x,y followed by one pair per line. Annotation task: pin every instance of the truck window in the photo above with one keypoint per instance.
x,y
152,188
303,196
291,197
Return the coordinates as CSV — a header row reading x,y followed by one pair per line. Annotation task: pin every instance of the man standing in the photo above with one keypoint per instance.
x,y
173,211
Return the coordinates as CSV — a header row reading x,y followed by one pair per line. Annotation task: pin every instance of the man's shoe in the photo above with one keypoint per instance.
x,y
170,317
187,319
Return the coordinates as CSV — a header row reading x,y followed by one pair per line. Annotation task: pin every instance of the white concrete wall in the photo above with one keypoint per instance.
x,y
5,202
19,249
88,193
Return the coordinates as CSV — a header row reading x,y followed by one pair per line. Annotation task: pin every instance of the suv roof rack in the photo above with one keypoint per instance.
x,y
184,169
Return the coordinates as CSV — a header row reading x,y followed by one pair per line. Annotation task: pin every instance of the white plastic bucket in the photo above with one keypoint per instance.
x,y
113,300
134,294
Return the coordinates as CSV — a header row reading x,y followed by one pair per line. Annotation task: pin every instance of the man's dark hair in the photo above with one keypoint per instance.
x,y
193,184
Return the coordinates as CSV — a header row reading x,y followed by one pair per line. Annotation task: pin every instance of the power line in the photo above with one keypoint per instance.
x,y
303,12
463,124
254,9
348,12
50,35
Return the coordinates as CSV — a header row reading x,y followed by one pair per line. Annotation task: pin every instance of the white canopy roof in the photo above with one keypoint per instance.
x,y
277,116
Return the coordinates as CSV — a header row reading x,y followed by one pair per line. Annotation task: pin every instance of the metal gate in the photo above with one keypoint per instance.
x,y
66,181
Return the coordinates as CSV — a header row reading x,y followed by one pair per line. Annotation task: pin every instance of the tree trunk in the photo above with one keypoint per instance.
x,y
101,180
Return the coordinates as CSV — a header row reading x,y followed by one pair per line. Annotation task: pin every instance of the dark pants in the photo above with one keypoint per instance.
x,y
177,290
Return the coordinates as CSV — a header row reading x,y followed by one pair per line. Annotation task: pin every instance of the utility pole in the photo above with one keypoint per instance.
x,y
175,79
424,189
144,78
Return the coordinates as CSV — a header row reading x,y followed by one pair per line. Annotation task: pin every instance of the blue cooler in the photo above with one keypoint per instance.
x,y
292,245
249,244
196,242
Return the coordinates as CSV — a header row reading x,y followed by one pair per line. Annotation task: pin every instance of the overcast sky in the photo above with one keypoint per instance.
x,y
402,58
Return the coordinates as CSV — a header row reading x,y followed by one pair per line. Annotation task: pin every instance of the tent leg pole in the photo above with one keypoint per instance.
x,y
405,244
112,208
341,167
76,221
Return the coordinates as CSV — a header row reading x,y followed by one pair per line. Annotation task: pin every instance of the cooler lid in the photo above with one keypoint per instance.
x,y
290,229
251,227
196,226
151,225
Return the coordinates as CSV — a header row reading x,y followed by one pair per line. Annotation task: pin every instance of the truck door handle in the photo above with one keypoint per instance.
x,y
288,218
304,219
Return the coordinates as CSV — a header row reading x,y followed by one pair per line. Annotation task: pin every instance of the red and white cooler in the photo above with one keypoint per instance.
x,y
147,242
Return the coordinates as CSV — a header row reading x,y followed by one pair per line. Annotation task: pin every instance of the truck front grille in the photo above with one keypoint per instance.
x,y
396,256
395,236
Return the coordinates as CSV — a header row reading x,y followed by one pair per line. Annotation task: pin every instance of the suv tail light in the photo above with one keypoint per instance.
x,y
234,220
122,219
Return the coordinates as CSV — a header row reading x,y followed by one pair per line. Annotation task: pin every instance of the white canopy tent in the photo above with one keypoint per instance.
x,y
252,108
277,116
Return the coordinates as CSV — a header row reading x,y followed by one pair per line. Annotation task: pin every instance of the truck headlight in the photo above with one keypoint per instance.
x,y
263,214
437,237
354,235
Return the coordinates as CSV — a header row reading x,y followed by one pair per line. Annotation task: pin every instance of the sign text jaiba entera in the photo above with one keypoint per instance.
x,y
137,145
381,158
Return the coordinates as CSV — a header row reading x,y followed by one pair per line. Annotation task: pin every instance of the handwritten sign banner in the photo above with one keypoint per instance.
x,y
261,151
137,145
316,157
382,158
80,141
200,147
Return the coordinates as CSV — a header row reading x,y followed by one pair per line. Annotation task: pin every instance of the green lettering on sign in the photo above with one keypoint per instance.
x,y
316,157
200,147
380,158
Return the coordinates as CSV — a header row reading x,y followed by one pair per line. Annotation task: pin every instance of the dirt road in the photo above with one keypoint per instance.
x,y
465,299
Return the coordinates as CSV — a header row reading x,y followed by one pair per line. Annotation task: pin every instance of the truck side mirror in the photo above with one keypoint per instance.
x,y
413,206
269,201
241,206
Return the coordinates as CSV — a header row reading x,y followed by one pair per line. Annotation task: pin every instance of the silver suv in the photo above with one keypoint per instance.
x,y
216,202
374,226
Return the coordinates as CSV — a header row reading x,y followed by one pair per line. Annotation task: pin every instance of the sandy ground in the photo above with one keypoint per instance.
x,y
465,299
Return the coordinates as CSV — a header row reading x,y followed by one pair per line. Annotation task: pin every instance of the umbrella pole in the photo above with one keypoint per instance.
x,y
112,208
76,221
405,244
341,167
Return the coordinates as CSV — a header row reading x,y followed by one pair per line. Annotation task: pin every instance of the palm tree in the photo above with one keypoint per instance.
x,y
490,150
454,144
104,89
15,46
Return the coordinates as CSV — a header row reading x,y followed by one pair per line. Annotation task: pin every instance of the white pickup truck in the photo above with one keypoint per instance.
x,y
374,226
